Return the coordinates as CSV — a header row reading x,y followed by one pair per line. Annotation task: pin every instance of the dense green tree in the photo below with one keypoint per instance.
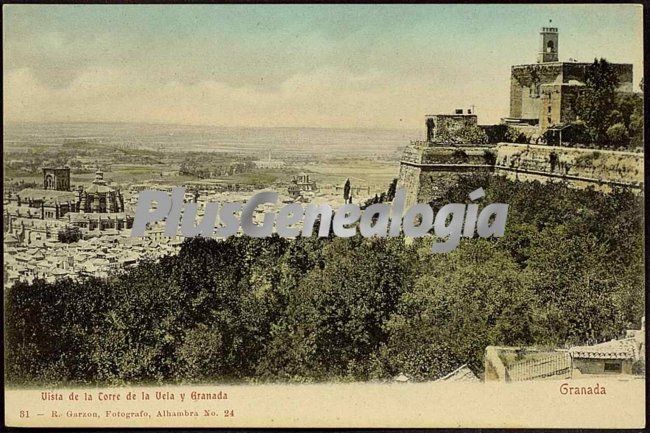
x,y
466,134
503,133
392,189
597,100
69,235
468,299
568,270
617,135
630,105
339,310
346,190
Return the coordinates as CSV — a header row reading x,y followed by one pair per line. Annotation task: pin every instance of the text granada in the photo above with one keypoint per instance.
x,y
197,396
566,389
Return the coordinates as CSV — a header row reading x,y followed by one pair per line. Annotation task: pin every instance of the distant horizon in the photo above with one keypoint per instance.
x,y
198,125
338,66
254,140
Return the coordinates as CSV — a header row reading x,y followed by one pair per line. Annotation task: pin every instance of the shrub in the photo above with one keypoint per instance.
x,y
617,135
69,235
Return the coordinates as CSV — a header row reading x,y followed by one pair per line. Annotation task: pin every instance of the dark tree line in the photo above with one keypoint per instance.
x,y
569,270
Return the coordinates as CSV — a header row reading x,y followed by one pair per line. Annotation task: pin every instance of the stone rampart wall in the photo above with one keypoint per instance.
x,y
602,169
426,172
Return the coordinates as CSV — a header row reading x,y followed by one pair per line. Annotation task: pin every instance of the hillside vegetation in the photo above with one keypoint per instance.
x,y
569,270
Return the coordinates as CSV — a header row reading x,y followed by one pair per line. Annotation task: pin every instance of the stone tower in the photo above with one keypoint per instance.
x,y
56,178
429,168
543,94
548,49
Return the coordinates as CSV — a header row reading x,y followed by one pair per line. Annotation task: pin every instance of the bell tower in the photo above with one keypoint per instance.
x,y
56,178
548,50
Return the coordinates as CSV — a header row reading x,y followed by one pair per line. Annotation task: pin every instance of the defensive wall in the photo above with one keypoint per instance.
x,y
427,171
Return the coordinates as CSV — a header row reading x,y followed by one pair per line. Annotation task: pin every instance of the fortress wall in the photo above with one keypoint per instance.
x,y
427,172
435,183
409,179
580,167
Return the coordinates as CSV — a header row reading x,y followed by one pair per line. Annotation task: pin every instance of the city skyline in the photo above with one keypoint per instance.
x,y
339,66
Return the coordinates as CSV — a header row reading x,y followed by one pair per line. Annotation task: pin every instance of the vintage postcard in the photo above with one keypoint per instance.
x,y
294,215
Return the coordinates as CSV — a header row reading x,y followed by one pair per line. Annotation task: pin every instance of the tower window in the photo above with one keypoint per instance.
x,y
49,182
550,46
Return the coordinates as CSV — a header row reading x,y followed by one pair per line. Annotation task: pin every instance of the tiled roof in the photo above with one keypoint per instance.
x,y
10,239
615,349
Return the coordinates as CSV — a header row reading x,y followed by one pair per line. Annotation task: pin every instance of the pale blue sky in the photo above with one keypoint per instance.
x,y
288,65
